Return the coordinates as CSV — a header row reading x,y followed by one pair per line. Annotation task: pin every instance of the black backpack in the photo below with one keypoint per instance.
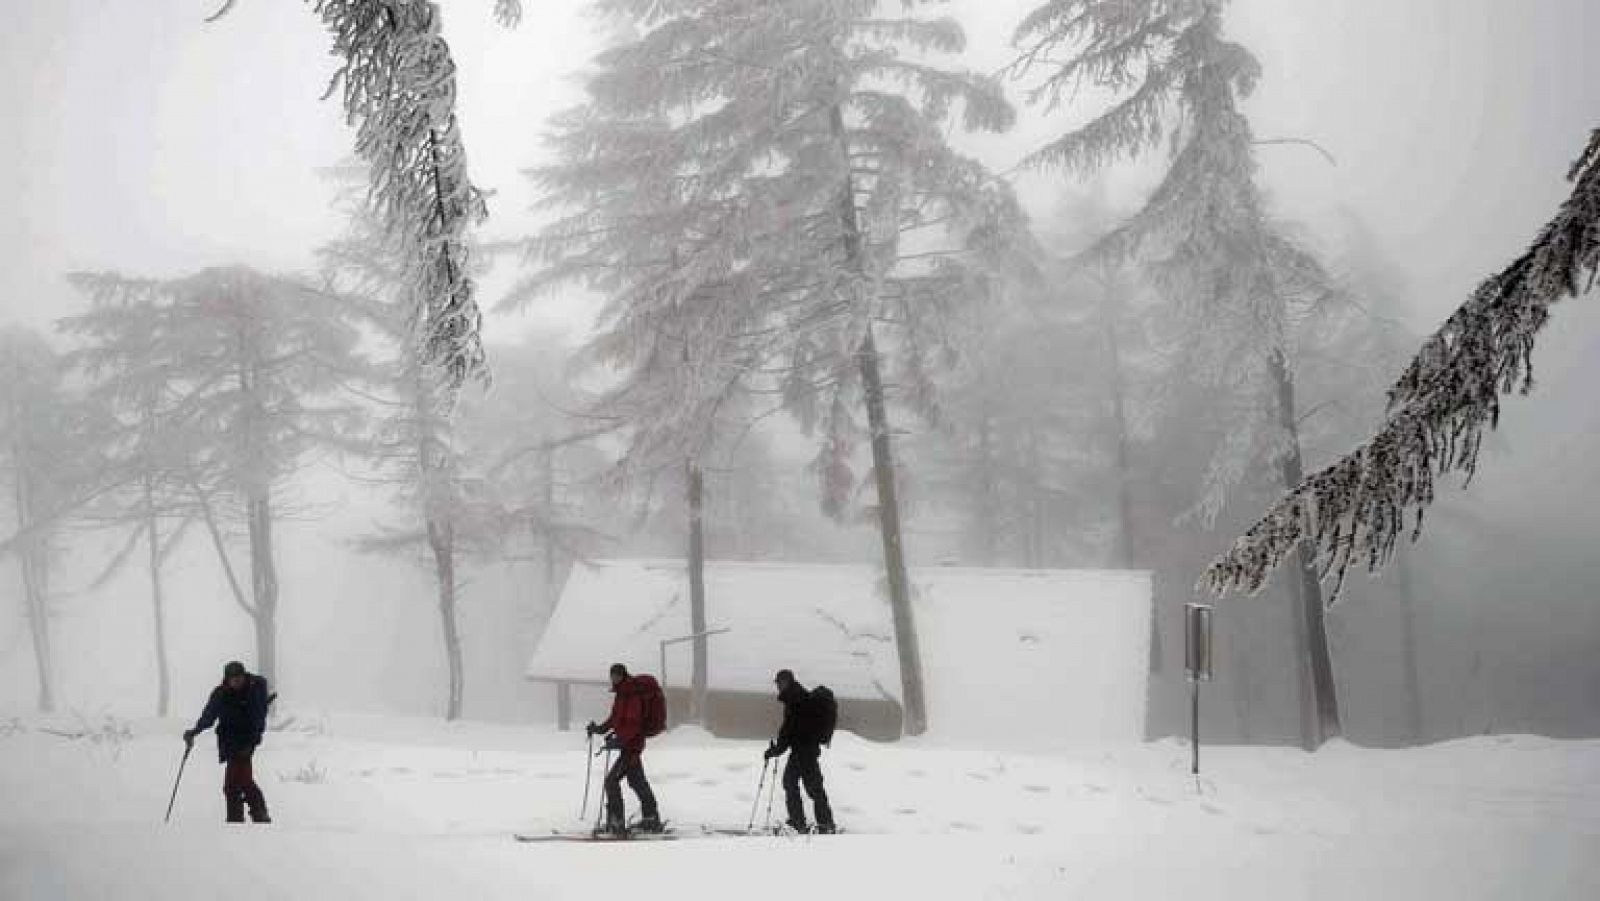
x,y
822,711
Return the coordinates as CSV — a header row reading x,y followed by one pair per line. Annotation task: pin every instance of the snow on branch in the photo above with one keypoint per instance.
x,y
508,12
1357,507
399,88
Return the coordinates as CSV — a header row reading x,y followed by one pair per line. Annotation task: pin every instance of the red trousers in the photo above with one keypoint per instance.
x,y
239,789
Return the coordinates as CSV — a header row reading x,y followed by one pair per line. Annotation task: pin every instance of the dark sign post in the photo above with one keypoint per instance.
x,y
1197,660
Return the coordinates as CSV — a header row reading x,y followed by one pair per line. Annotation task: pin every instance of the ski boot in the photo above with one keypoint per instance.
x,y
650,826
826,829
614,827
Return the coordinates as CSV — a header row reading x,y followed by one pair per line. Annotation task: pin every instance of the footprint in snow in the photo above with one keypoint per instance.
x,y
1037,789
981,777
906,811
1029,829
857,767
708,783
963,826
918,774
1211,809
1097,789
737,767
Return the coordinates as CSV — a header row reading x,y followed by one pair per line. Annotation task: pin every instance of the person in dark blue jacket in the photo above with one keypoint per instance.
x,y
238,708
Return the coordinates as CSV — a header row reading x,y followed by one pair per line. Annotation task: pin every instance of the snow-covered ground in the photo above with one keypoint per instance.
x,y
391,808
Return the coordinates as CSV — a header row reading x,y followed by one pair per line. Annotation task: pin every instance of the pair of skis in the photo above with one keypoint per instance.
x,y
666,835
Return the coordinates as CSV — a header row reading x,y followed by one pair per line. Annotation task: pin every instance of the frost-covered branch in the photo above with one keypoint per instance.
x,y
399,88
1438,410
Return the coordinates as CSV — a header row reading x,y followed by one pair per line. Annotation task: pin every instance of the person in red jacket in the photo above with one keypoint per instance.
x,y
627,727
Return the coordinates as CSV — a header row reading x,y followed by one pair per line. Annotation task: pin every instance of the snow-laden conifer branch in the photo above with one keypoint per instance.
x,y
1357,508
399,89
508,12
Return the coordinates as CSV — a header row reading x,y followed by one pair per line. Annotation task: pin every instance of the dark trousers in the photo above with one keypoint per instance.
x,y
805,768
629,766
239,789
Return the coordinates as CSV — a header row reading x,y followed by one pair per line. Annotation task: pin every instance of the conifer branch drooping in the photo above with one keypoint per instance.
x,y
1357,508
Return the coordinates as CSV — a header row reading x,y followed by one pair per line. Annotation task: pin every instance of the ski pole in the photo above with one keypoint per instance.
x,y
601,809
588,777
770,793
187,747
760,784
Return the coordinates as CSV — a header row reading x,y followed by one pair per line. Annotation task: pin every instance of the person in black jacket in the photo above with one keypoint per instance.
x,y
800,736
238,707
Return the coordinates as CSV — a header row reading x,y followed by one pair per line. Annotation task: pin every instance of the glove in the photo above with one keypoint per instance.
x,y
592,729
188,737
772,751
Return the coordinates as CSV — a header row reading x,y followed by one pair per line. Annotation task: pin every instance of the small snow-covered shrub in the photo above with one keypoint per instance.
x,y
310,774
110,733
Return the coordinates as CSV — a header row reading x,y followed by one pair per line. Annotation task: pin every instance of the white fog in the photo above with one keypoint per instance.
x,y
943,354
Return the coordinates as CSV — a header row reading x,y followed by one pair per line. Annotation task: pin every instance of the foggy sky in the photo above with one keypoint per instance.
x,y
138,138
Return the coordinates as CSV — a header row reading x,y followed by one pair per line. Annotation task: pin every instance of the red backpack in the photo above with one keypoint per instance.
x,y
653,705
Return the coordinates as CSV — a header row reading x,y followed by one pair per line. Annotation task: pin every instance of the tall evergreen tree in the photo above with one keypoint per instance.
x,y
125,358
255,364
413,444
1236,280
760,188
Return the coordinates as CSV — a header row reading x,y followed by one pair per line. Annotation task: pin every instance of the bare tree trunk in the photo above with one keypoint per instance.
x,y
1126,553
905,628
988,517
1240,676
1320,716
32,559
547,497
157,601
264,584
441,539
697,591
1037,519
1408,646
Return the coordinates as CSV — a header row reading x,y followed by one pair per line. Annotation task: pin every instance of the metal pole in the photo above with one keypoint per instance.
x,y
1194,726
679,640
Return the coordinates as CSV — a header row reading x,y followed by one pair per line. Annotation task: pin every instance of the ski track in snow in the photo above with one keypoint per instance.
x,y
376,807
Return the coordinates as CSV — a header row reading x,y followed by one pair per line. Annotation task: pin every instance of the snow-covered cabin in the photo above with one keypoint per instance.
x,y
1053,655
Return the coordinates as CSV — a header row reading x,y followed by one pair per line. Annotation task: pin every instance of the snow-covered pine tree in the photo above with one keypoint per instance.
x,y
1235,279
772,187
122,352
1357,508
256,362
412,442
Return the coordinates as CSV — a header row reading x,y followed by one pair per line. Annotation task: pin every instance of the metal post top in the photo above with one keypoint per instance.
x,y
692,637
